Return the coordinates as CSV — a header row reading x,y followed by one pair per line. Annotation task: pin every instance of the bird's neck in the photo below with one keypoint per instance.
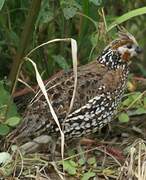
x,y
112,59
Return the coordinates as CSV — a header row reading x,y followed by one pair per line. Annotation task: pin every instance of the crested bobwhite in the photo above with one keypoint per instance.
x,y
100,87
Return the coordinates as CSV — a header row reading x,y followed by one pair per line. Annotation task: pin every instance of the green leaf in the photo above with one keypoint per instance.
x,y
96,2
5,100
61,62
144,101
131,98
1,3
69,167
142,69
14,38
81,161
5,157
136,95
70,8
123,117
46,13
4,129
140,111
88,175
73,163
69,12
127,101
13,121
127,16
91,160
72,171
94,40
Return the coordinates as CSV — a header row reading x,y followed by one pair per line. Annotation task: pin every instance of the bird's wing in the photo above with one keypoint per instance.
x,y
60,90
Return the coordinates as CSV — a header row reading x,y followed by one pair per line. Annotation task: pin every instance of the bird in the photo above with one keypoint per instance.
x,y
100,88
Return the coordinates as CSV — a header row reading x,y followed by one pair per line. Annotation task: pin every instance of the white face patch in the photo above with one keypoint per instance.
x,y
123,49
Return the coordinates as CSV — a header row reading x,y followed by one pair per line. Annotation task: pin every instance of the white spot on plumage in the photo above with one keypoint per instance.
x,y
88,125
86,119
97,98
88,130
76,132
102,108
77,111
94,123
102,103
104,116
75,124
99,118
98,111
88,106
81,117
75,118
91,100
77,127
87,116
92,115
94,102
57,129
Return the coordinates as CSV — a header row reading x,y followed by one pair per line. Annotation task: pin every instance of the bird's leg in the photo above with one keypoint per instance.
x,y
52,148
84,142
109,130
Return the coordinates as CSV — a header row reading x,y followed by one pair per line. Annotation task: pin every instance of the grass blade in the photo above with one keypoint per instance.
x,y
43,89
1,3
127,16
42,86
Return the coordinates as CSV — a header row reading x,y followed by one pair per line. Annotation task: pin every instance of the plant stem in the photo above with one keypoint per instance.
x,y
24,40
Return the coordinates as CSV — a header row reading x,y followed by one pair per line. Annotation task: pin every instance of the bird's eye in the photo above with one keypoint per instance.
x,y
129,46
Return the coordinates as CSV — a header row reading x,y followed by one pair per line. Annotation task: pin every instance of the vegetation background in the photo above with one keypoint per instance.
x,y
27,24
86,21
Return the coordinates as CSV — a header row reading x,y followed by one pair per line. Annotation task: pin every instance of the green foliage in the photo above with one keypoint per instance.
x,y
127,16
88,175
82,20
45,14
81,162
7,107
123,117
13,121
62,63
1,3
8,111
6,165
140,111
96,2
91,160
4,129
70,8
133,104
70,167
76,167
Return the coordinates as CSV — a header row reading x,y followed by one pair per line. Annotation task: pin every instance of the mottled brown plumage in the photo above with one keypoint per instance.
x,y
100,87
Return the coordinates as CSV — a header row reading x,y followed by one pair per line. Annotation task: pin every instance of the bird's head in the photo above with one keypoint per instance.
x,y
126,45
120,51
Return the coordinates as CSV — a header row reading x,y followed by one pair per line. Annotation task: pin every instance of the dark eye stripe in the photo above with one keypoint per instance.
x,y
129,46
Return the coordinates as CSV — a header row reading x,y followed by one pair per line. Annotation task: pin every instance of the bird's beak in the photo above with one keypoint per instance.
x,y
138,50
